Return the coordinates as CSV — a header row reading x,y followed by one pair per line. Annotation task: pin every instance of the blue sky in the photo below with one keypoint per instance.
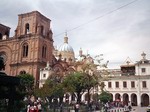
x,y
118,35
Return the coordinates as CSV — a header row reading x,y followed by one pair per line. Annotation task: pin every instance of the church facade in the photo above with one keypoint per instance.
x,y
31,46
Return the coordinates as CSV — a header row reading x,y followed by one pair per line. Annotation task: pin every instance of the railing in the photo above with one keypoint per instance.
x,y
119,110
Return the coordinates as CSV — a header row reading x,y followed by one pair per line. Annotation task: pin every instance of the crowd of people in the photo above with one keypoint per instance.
x,y
34,107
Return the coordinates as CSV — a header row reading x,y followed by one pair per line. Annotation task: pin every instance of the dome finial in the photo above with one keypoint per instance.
x,y
66,38
66,33
80,52
143,55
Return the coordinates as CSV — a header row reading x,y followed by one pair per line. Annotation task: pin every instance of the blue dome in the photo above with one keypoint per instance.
x,y
66,47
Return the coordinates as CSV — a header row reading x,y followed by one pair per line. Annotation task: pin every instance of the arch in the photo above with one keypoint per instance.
x,y
1,36
134,99
22,72
25,50
27,28
117,97
3,59
58,69
73,97
7,33
86,97
111,96
125,99
70,70
67,98
2,66
144,99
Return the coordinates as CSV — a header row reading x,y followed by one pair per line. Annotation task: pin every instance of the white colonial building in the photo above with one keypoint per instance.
x,y
133,85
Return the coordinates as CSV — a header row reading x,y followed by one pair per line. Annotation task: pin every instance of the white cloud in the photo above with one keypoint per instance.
x,y
118,35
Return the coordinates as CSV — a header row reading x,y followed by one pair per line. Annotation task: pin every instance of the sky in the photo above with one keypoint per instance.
x,y
118,29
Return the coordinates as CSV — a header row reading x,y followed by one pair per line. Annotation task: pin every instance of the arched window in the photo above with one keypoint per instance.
x,y
25,50
44,51
42,30
27,28
2,66
22,72
3,59
7,33
1,36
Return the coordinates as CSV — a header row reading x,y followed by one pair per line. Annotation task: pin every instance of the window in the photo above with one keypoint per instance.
x,y
27,28
2,64
109,84
22,72
1,36
132,84
124,84
42,30
143,70
44,75
144,84
44,52
117,84
25,50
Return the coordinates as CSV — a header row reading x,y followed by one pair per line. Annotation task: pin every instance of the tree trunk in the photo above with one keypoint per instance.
x,y
78,98
88,96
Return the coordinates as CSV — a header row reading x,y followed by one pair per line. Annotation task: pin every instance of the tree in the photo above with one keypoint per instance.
x,y
74,83
42,92
77,83
26,83
52,89
105,97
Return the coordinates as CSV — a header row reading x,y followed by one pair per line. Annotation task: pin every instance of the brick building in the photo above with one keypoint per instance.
x,y
31,46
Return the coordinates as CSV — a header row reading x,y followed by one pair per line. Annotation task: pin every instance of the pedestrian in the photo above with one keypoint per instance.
x,y
28,108
35,107
76,107
39,106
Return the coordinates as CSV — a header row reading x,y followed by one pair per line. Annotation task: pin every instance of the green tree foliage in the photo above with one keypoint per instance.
x,y
26,83
53,88
77,83
42,92
105,97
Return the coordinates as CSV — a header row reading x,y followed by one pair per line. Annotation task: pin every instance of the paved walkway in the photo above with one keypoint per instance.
x,y
139,109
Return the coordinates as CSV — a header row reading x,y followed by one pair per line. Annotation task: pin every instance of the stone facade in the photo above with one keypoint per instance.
x,y
31,46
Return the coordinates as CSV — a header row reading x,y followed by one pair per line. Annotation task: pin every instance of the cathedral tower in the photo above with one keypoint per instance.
x,y
31,46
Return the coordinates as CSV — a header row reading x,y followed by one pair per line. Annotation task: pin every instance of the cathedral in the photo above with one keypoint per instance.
x,y
31,46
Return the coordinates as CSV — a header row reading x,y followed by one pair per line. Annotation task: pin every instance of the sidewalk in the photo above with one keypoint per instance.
x,y
139,109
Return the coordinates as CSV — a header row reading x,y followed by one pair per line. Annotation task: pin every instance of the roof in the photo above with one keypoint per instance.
x,y
4,26
65,47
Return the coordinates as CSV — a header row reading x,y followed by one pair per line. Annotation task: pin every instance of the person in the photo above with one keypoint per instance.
x,y
76,107
39,106
31,109
129,107
28,108
35,107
